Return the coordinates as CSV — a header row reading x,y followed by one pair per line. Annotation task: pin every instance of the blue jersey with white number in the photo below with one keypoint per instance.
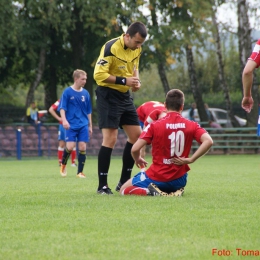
x,y
77,106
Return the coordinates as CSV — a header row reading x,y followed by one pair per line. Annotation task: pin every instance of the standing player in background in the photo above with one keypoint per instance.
x,y
116,72
61,135
149,112
247,77
75,110
171,138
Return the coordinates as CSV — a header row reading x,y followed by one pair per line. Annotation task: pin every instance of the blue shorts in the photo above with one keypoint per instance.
x,y
142,180
61,133
77,135
141,124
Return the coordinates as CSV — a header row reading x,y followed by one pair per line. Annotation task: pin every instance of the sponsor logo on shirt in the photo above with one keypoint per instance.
x,y
102,62
167,161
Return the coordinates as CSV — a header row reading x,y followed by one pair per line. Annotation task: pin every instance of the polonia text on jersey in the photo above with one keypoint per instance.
x,y
175,126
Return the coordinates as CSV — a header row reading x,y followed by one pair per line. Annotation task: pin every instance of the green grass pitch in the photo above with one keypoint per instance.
x,y
45,216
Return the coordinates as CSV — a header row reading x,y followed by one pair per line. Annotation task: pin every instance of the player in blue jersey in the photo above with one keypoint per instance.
x,y
75,110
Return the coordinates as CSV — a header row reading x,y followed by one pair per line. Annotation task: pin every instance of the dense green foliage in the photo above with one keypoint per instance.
x,y
42,42
45,216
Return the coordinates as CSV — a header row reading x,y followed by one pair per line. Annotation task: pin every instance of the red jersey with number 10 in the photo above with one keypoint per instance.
x,y
255,56
171,136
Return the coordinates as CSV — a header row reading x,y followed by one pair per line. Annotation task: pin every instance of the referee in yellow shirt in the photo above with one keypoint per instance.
x,y
116,72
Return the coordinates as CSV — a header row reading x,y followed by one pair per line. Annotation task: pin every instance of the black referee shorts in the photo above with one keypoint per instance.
x,y
115,108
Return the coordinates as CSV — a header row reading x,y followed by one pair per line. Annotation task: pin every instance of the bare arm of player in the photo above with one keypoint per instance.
x,y
139,161
247,80
54,114
65,123
206,143
90,124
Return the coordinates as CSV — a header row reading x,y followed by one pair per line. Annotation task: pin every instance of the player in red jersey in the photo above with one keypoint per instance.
x,y
149,112
61,135
171,138
247,77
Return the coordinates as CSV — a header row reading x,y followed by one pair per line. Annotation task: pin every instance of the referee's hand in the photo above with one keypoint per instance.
x,y
132,82
134,89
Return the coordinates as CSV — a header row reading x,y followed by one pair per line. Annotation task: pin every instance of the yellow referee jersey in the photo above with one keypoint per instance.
x,y
116,60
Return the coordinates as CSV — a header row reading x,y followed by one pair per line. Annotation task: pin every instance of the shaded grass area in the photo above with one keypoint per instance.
x,y
44,216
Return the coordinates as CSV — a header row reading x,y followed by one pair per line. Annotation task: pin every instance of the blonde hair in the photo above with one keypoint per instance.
x,y
77,73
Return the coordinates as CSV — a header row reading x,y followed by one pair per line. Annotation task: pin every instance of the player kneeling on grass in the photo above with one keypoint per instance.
x,y
171,138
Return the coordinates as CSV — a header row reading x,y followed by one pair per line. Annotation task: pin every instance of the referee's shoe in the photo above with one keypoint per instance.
x,y
118,187
105,191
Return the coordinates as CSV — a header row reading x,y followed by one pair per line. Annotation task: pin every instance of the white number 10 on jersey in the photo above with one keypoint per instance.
x,y
177,143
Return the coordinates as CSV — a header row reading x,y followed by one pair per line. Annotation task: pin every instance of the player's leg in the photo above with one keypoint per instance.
x,y
132,132
143,186
136,185
83,138
61,138
104,158
81,159
70,144
130,123
73,157
108,120
174,188
60,151
62,144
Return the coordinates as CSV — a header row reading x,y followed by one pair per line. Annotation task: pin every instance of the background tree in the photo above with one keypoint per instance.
x,y
42,42
173,25
88,27
10,45
221,73
194,85
167,25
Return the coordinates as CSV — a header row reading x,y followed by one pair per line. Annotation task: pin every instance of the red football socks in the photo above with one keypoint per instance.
x,y
133,190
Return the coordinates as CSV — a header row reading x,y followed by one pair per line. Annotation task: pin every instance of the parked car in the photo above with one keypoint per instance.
x,y
218,115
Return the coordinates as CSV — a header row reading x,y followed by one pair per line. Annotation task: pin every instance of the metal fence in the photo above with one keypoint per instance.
x,y
24,140
235,140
